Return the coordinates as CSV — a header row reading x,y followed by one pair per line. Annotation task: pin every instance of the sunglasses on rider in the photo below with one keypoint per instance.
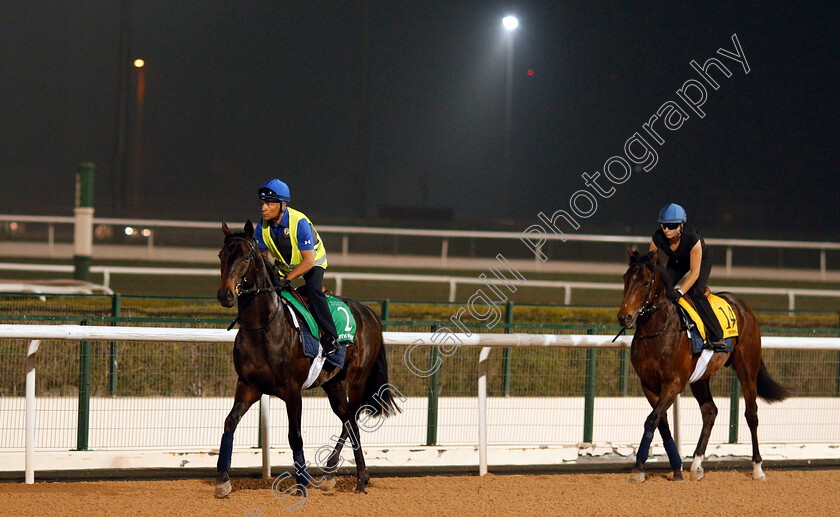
x,y
670,226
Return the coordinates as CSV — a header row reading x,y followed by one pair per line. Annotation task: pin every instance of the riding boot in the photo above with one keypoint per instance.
x,y
328,345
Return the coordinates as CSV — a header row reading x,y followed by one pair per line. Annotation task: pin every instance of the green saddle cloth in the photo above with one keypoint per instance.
x,y
344,321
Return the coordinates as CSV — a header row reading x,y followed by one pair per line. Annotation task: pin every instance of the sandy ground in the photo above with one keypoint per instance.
x,y
812,492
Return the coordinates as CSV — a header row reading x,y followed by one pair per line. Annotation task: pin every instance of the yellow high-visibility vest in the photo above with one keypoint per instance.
x,y
294,218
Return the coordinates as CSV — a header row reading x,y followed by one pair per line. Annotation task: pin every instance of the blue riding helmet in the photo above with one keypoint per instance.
x,y
672,213
274,191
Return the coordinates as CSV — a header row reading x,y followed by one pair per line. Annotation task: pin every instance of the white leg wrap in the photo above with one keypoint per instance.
x,y
697,468
757,472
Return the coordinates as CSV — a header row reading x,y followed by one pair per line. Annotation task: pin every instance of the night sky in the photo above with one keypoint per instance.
x,y
240,92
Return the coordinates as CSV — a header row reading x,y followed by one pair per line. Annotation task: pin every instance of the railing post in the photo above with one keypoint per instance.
x,y
444,250
482,410
837,380
51,240
589,392
386,313
84,394
29,454
729,261
264,436
112,360
624,370
822,265
734,402
506,355
434,388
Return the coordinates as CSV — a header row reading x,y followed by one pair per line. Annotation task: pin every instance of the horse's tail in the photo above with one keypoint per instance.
x,y
767,388
378,399
379,393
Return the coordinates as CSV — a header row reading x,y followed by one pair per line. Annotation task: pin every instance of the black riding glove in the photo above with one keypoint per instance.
x,y
278,280
673,295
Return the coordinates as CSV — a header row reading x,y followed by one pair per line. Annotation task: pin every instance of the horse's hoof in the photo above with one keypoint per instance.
x,y
697,475
223,489
678,476
360,488
637,477
328,484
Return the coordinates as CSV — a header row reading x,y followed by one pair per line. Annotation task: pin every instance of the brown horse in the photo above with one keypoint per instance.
x,y
661,355
268,358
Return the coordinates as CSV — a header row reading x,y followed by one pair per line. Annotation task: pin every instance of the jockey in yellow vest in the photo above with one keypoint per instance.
x,y
298,251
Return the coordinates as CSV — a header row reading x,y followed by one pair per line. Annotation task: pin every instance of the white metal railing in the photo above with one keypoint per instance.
x,y
485,341
445,235
452,281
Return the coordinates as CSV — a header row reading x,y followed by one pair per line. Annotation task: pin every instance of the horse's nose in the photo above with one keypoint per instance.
x,y
624,319
225,297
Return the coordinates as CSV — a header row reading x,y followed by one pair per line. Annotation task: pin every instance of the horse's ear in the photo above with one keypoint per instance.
x,y
654,255
249,229
630,253
225,229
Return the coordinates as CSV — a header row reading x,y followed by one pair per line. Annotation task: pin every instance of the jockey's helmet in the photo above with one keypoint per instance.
x,y
274,191
672,213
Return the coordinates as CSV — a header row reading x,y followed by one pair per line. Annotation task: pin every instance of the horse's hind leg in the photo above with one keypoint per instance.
x,y
352,427
244,398
748,388
338,401
709,410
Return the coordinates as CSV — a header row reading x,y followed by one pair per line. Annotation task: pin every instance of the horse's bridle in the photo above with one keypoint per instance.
x,y
649,308
238,291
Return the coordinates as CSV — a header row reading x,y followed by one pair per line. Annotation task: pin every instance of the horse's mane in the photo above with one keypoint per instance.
x,y
646,260
244,236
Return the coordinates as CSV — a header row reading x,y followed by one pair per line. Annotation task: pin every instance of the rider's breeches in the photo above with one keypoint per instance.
x,y
318,302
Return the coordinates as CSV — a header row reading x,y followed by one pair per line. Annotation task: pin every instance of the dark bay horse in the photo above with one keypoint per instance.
x,y
661,355
268,358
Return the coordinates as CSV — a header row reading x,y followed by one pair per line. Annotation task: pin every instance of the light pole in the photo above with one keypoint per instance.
x,y
137,162
510,24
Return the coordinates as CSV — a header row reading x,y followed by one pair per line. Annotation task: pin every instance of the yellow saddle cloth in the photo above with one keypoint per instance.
x,y
723,311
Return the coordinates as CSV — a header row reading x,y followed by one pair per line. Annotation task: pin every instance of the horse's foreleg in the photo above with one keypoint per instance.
x,y
709,410
671,448
244,398
294,408
660,402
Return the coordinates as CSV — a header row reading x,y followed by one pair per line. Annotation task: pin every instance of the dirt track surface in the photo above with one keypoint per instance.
x,y
720,493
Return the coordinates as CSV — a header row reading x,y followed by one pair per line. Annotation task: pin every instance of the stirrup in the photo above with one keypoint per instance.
x,y
716,346
329,346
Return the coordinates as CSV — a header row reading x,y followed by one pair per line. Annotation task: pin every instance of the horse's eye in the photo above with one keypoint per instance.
x,y
647,282
246,259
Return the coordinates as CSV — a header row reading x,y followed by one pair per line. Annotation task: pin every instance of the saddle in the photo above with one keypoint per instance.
x,y
696,328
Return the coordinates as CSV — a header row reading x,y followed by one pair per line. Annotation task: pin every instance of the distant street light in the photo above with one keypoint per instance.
x,y
510,23
137,161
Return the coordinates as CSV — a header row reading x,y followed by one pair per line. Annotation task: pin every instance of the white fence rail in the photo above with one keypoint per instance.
x,y
444,235
485,341
453,281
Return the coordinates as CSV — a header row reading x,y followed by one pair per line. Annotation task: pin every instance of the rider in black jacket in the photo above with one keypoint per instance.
x,y
687,253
